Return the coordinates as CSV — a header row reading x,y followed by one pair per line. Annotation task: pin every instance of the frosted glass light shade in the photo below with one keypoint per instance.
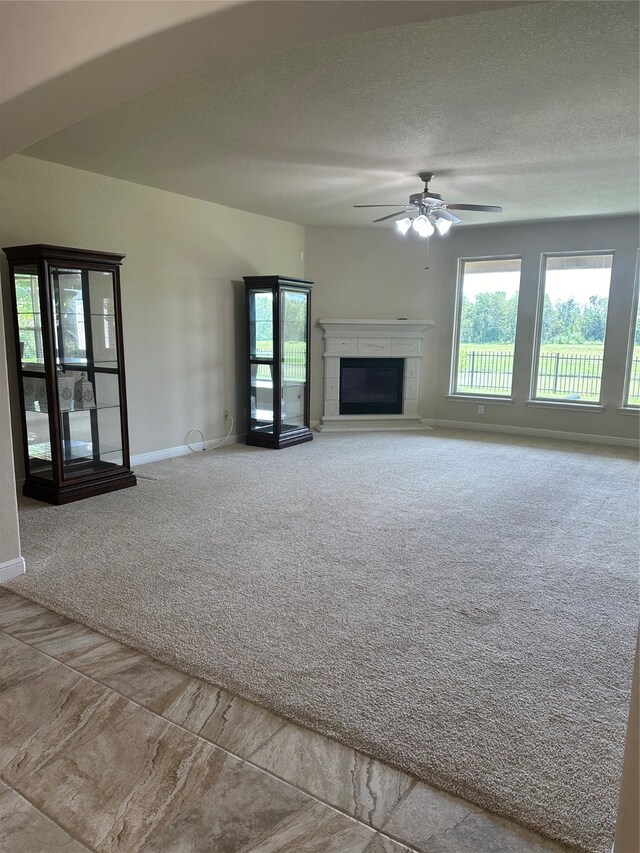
x,y
403,225
422,226
443,226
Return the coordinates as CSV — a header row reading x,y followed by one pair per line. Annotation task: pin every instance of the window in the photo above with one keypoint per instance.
x,y
486,315
632,383
572,319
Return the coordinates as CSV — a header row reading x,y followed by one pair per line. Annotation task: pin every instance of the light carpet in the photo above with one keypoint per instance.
x,y
463,606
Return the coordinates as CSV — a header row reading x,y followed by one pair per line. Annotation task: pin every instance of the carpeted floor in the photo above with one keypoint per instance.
x,y
463,606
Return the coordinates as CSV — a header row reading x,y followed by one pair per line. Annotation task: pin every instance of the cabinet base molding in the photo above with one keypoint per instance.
x,y
66,493
298,436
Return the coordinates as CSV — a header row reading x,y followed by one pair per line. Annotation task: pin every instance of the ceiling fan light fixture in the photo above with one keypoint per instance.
x,y
443,226
422,226
431,213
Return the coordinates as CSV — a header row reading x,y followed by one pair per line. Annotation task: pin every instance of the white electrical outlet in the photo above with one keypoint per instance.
x,y
481,410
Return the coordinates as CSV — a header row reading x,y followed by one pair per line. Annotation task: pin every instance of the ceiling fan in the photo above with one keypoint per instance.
x,y
428,212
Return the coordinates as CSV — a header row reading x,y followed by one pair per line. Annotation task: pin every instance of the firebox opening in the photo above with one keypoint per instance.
x,y
371,386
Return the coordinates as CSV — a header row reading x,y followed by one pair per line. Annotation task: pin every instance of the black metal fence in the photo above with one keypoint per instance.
x,y
294,365
480,370
563,375
573,376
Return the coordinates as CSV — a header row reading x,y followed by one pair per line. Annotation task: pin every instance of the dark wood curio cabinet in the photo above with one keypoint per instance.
x,y
278,327
68,331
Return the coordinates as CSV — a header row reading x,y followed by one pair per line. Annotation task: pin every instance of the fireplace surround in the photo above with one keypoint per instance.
x,y
352,341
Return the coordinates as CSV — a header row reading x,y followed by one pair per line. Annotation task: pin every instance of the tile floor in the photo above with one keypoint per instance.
x,y
103,748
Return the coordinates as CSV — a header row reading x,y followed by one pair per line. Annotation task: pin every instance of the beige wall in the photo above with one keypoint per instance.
x,y
182,301
375,273
9,533
61,36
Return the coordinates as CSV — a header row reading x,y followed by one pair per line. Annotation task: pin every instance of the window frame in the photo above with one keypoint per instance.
x,y
585,405
633,322
454,394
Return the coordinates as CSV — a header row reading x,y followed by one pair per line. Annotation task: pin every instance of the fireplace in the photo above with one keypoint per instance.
x,y
371,386
372,374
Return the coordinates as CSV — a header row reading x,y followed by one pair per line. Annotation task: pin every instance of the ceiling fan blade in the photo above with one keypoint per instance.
x,y
391,215
443,213
375,205
486,208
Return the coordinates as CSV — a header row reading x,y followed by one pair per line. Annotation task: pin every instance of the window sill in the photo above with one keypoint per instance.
x,y
629,410
563,404
479,398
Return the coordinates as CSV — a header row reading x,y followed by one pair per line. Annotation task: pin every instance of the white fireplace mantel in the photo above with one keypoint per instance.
x,y
399,328
399,338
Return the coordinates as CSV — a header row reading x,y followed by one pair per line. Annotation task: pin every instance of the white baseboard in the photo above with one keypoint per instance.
x,y
538,433
12,569
181,450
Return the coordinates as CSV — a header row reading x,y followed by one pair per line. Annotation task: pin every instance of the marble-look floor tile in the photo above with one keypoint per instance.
x,y
23,829
320,829
19,663
239,726
424,813
56,635
490,834
14,608
362,787
130,778
106,660
382,844
136,675
45,717
244,806
202,708
435,822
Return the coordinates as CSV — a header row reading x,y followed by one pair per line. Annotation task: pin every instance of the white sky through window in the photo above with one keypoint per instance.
x,y
560,285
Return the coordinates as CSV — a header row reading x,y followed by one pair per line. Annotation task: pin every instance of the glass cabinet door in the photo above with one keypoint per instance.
x,y
261,362
293,357
87,370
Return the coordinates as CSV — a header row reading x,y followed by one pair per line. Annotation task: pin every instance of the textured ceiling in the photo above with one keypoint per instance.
x,y
533,107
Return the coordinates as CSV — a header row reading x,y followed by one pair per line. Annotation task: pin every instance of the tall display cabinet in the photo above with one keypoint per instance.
x,y
68,332
278,331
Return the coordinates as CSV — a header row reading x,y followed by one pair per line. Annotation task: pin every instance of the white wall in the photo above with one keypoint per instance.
x,y
373,272
181,286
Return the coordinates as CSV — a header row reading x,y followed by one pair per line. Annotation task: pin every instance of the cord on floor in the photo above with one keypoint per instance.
x,y
204,444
